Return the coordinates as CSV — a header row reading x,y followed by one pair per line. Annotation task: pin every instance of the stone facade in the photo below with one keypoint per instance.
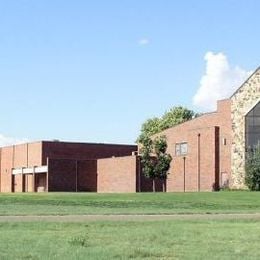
x,y
242,101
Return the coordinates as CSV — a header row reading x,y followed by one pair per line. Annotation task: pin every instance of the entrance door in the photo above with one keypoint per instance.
x,y
40,182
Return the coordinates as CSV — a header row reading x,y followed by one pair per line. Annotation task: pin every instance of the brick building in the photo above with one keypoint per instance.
x,y
208,152
54,166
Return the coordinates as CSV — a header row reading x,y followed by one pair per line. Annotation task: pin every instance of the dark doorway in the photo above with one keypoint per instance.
x,y
40,182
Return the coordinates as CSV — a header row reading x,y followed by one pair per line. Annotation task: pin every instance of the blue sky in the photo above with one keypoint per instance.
x,y
95,70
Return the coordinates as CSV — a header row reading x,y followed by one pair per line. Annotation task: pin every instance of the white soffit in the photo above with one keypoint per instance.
x,y
30,170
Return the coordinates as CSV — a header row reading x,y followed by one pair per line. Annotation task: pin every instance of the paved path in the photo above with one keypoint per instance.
x,y
84,218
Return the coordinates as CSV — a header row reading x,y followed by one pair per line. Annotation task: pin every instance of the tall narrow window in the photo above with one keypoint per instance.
x,y
252,132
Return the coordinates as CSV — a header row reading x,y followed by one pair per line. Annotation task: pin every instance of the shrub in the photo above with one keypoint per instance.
x,y
252,167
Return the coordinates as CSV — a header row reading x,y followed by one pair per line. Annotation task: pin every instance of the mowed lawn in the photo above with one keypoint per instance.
x,y
140,203
181,239
162,239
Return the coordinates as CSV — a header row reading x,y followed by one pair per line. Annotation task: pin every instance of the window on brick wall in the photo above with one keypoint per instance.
x,y
181,148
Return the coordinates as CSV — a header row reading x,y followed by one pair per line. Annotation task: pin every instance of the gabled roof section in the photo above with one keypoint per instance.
x,y
190,121
256,71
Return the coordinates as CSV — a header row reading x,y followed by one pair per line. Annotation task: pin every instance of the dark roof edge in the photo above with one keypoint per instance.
x,y
65,142
86,143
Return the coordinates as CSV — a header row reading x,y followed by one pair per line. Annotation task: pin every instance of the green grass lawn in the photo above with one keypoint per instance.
x,y
168,239
131,240
140,203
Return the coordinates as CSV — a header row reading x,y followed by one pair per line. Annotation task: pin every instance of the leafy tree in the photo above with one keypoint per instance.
x,y
163,159
149,128
174,116
147,160
155,160
252,178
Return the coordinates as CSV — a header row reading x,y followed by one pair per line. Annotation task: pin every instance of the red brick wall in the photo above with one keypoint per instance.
x,y
61,175
62,170
23,183
225,134
117,174
185,170
20,160
18,156
84,151
6,168
87,175
18,183
72,175
35,154
213,156
28,183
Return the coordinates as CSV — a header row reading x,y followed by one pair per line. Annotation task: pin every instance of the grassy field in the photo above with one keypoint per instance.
x,y
235,238
145,203
131,240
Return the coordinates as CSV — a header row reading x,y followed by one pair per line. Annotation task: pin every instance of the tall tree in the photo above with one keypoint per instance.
x,y
149,127
175,116
163,160
155,160
147,159
170,118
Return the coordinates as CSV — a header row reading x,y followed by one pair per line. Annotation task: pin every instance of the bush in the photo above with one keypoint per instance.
x,y
252,178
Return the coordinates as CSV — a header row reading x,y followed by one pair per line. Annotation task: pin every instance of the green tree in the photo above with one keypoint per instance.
x,y
155,160
149,127
147,160
252,178
175,116
163,159
170,118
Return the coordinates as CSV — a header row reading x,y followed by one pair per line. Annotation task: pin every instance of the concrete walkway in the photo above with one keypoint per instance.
x,y
85,218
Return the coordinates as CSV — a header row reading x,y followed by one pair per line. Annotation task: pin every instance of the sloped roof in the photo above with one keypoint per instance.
x,y
188,122
257,70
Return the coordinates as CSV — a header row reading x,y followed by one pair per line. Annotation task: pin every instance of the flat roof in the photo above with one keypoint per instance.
x,y
67,142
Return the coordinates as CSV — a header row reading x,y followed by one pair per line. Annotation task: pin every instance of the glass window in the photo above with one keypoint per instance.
x,y
184,148
178,149
181,148
253,127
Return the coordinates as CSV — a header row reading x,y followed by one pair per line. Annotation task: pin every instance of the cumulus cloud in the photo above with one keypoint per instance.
x,y
6,140
143,41
219,81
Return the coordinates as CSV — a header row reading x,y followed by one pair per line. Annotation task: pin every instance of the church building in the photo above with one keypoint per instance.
x,y
208,153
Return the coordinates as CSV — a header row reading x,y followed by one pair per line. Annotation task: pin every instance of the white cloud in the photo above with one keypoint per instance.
x,y
219,81
6,140
143,41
